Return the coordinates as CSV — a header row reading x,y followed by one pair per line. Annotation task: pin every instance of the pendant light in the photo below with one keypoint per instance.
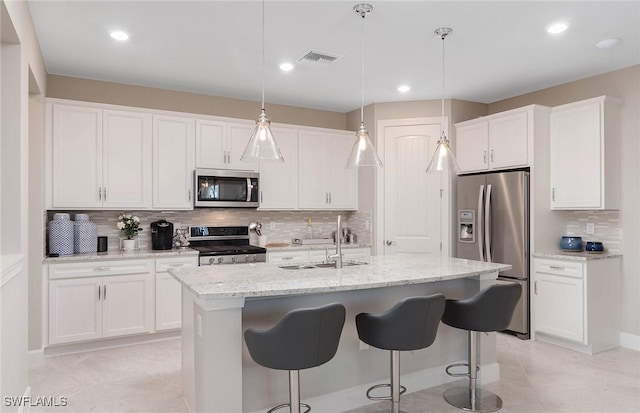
x,y
262,145
363,152
443,159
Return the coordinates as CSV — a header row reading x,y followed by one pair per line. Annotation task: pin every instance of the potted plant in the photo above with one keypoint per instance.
x,y
130,226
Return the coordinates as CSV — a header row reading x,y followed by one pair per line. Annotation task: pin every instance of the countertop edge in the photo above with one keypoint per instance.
x,y
582,256
120,255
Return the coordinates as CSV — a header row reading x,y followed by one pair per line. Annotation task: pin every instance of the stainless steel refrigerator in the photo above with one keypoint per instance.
x,y
493,226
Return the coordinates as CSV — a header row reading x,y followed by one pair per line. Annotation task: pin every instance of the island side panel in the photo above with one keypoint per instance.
x,y
213,377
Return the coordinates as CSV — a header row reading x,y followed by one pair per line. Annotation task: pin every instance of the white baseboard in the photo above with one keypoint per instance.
x,y
103,344
354,397
36,358
630,341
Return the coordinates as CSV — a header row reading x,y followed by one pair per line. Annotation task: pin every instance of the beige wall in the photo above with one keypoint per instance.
x,y
128,95
625,85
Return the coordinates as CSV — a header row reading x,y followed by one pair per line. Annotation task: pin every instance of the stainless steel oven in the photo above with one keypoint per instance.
x,y
225,188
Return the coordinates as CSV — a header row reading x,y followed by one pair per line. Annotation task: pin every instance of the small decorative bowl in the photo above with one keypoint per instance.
x,y
568,243
594,246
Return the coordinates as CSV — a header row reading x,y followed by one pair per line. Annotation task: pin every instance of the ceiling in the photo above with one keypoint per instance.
x,y
497,49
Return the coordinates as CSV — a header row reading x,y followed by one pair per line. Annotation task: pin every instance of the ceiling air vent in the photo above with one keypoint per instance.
x,y
315,56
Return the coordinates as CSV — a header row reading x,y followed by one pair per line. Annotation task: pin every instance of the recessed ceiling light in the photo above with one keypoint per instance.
x,y
403,88
557,27
608,43
119,35
285,67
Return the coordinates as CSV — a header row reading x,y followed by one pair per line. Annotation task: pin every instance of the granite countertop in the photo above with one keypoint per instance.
x,y
121,255
577,256
267,280
300,247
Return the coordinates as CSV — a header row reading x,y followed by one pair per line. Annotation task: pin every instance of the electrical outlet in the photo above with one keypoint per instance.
x,y
591,228
272,226
364,346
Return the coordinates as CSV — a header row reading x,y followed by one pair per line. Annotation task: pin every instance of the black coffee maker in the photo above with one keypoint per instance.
x,y
161,235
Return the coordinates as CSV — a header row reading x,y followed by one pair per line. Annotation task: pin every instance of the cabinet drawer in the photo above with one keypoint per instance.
x,y
284,257
164,264
568,269
99,268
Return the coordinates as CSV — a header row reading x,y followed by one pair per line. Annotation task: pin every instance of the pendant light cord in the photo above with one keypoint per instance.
x,y
362,70
263,55
442,101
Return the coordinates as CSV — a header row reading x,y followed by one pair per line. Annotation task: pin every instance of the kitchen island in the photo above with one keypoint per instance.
x,y
220,302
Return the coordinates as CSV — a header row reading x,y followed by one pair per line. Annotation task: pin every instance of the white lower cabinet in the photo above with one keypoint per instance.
x,y
317,255
578,303
100,299
169,292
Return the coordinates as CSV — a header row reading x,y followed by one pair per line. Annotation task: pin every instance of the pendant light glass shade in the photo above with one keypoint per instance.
x,y
363,153
443,159
262,145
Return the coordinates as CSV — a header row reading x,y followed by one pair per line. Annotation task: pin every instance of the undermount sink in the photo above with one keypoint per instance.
x,y
321,265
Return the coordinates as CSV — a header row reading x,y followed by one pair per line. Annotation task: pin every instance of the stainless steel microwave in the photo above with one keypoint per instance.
x,y
225,188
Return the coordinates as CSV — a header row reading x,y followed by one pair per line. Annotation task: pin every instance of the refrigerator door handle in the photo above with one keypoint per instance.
x,y
487,224
480,232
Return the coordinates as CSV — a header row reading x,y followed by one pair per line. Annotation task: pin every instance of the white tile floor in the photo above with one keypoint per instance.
x,y
535,377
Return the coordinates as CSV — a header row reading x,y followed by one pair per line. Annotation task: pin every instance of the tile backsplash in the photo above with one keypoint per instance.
x,y
606,223
278,226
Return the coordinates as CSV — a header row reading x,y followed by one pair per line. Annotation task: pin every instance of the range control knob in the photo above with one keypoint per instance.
x,y
251,258
220,259
233,260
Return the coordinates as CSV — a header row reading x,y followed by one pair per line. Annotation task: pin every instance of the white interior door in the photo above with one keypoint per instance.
x,y
413,220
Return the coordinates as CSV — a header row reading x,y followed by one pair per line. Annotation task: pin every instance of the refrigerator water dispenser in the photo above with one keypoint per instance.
x,y
466,223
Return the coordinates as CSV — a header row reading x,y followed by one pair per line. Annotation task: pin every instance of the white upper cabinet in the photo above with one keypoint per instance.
x,y
472,146
324,182
585,155
211,144
279,180
499,141
220,144
173,162
126,145
114,169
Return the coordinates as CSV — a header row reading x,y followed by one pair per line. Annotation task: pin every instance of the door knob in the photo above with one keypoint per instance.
x,y
389,242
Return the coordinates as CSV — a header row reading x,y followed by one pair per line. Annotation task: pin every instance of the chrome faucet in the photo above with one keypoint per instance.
x,y
338,255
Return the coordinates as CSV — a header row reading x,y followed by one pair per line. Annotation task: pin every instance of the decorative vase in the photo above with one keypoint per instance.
x,y
129,244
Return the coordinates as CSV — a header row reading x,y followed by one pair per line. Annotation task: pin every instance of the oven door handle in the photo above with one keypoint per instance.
x,y
249,189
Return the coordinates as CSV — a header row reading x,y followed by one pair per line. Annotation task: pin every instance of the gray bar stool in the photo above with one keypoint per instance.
x,y
489,310
304,338
411,324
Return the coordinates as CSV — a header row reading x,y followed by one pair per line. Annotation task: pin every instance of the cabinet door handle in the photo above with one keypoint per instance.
x,y
287,258
491,155
99,295
104,292
105,193
102,269
189,194
99,193
329,197
261,197
535,288
553,194
485,156
556,267
326,197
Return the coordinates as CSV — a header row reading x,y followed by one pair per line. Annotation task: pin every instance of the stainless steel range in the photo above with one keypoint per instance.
x,y
224,245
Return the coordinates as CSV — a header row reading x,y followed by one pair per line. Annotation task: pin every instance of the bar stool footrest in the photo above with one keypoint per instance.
x,y
403,390
282,406
450,366
462,398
